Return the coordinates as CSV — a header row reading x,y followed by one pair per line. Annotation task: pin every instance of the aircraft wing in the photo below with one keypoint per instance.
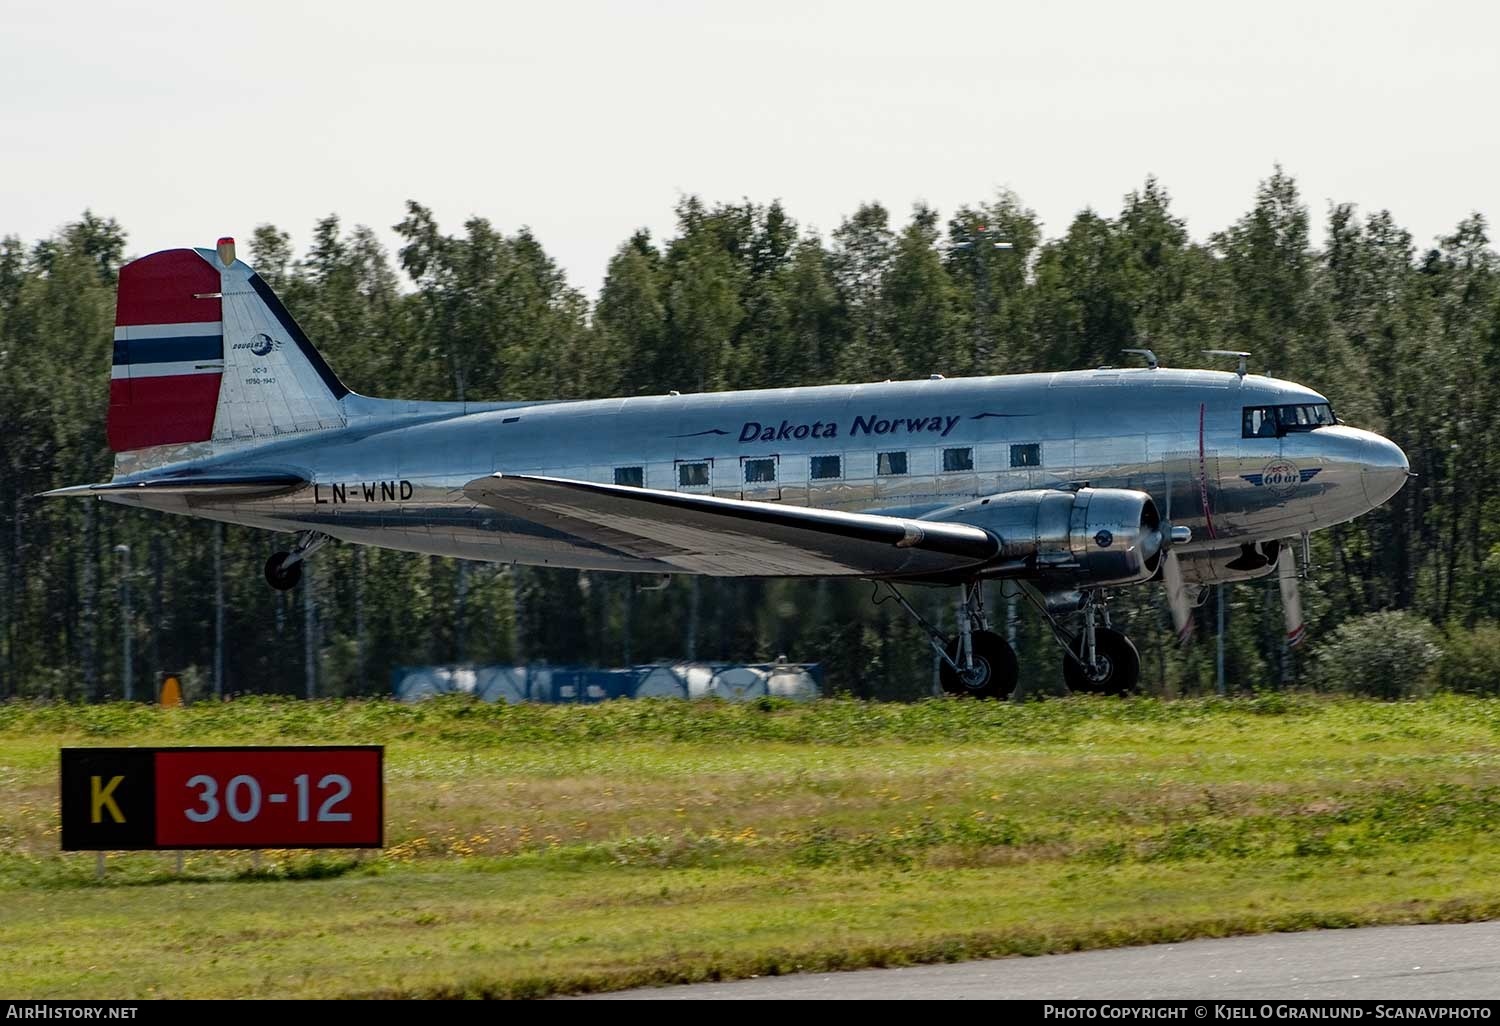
x,y
734,537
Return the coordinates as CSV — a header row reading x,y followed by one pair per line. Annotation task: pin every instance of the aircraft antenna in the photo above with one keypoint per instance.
x,y
1244,358
1152,363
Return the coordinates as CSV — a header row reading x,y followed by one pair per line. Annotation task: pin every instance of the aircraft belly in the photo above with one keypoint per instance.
x,y
499,546
467,532
433,518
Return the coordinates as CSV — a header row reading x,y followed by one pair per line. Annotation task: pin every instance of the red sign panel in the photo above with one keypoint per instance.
x,y
268,798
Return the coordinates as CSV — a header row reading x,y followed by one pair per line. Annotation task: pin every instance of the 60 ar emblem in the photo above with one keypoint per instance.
x,y
1281,477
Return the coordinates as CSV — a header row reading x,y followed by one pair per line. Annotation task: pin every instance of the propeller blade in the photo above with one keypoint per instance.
x,y
1177,597
1291,597
1171,571
1166,468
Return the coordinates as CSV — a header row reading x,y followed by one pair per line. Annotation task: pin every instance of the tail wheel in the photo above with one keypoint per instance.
x,y
1118,670
994,670
279,575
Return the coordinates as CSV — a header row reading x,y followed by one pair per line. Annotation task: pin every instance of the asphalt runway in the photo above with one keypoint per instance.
x,y
1383,962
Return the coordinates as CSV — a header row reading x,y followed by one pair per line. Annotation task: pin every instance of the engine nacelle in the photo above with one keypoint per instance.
x,y
1091,537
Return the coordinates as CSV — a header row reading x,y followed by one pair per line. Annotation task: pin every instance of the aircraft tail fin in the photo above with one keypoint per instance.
x,y
205,353
168,352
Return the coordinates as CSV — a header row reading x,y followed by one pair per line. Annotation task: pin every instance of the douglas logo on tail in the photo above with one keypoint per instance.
x,y
220,407
261,345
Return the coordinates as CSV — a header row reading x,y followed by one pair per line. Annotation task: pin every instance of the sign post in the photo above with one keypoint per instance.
x,y
161,799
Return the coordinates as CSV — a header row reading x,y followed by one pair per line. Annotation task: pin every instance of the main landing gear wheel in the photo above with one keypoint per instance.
x,y
284,569
281,576
990,670
993,673
1118,667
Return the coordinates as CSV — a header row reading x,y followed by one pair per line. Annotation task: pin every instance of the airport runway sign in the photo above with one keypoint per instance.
x,y
122,799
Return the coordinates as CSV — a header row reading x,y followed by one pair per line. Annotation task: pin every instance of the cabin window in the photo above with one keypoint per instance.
x,y
760,471
634,477
1028,455
692,475
825,468
958,459
890,464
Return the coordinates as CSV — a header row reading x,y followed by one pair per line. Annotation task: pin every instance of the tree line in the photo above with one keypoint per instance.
x,y
1404,338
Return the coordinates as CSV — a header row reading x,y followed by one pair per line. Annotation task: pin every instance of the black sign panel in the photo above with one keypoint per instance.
x,y
108,799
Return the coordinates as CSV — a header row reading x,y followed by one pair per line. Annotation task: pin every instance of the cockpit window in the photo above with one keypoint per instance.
x,y
1275,421
1260,422
1305,417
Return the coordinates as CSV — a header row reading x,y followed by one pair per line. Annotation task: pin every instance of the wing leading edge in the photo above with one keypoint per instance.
x,y
735,537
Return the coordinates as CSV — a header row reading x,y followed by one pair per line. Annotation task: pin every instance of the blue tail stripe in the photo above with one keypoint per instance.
x,y
169,350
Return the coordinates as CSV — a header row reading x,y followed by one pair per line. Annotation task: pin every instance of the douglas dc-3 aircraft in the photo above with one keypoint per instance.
x,y
1071,484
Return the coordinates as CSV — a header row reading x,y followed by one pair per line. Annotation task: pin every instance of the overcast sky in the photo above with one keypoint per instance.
x,y
586,120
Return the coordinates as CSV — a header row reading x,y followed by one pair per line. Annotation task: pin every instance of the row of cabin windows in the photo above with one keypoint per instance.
x,y
831,468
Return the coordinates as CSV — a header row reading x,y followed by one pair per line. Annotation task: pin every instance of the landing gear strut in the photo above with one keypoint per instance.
x,y
1097,660
977,663
1100,660
284,569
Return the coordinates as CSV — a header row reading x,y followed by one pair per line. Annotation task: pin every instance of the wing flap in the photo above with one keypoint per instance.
x,y
735,537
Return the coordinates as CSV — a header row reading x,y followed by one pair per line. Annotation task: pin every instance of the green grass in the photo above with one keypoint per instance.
x,y
538,850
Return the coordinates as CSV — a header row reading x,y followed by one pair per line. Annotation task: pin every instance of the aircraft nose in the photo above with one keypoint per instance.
x,y
1385,469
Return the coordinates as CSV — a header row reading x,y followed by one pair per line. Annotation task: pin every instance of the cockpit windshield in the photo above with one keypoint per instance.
x,y
1275,421
1305,417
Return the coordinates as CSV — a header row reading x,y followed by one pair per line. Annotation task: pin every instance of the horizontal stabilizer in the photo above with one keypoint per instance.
x,y
218,486
734,537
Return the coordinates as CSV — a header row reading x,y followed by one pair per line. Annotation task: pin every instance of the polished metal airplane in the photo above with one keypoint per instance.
x,y
1071,484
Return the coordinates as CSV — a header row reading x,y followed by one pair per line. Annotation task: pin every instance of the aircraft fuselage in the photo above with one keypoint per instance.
x,y
395,475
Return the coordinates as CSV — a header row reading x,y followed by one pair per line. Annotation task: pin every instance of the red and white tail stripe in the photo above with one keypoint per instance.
x,y
168,352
